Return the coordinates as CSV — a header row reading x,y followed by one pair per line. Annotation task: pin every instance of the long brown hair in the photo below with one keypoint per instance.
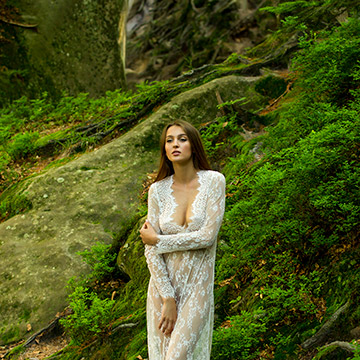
x,y
199,158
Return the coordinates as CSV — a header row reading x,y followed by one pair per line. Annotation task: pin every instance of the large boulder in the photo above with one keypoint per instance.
x,y
85,201
76,46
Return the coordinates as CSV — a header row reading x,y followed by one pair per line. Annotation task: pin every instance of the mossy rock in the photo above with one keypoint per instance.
x,y
14,201
75,47
131,258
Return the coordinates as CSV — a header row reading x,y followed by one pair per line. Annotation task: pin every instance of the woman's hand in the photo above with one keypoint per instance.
x,y
148,234
168,316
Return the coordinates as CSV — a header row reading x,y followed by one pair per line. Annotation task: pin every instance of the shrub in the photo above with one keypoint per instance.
x,y
328,67
239,337
22,145
90,312
100,259
91,315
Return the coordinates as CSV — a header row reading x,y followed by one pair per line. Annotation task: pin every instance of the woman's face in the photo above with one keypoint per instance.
x,y
177,145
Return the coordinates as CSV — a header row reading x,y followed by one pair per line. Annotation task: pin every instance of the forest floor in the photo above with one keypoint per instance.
x,y
39,349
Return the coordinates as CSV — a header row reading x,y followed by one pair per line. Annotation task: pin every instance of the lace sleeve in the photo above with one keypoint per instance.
x,y
155,261
206,235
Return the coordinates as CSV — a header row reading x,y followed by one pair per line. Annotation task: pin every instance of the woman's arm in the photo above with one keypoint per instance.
x,y
155,261
206,235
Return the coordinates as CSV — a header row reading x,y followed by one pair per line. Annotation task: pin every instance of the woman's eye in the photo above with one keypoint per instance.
x,y
168,140
183,139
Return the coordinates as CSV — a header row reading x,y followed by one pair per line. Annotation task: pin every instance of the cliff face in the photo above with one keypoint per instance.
x,y
74,47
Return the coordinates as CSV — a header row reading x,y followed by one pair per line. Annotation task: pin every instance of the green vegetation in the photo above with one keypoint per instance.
x,y
90,316
288,244
91,309
106,307
288,254
100,260
13,201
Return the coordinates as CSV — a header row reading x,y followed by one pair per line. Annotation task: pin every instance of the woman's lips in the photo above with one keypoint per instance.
x,y
176,153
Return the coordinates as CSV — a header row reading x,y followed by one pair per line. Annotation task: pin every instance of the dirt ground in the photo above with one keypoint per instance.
x,y
38,349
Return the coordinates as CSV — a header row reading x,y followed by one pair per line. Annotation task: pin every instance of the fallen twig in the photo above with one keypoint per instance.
x,y
320,336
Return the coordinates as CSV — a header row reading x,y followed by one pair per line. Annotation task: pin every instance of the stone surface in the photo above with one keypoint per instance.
x,y
87,200
75,47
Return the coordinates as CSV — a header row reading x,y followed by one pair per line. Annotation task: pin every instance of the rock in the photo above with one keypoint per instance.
x,y
75,46
84,202
130,258
355,332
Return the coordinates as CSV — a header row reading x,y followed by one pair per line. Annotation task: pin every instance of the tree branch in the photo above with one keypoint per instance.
x,y
342,345
15,23
323,333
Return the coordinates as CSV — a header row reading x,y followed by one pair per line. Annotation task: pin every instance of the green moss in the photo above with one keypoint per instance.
x,y
271,86
13,201
269,45
11,335
44,140
16,352
131,259
59,162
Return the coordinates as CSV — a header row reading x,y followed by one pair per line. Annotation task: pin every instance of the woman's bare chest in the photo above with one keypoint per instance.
x,y
184,200
183,209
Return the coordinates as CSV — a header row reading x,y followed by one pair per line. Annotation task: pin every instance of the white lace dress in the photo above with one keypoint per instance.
x,y
182,266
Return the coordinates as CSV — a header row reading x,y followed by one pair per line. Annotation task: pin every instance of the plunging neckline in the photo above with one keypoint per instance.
x,y
185,226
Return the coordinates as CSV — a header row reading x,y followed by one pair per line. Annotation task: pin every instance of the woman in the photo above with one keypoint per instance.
x,y
185,210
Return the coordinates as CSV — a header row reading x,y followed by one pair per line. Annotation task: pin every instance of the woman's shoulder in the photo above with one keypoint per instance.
x,y
214,175
160,184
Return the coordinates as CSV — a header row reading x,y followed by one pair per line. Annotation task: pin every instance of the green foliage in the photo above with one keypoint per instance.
x,y
100,259
22,145
90,305
138,345
13,201
214,136
298,20
299,13
240,337
357,351
30,128
271,86
154,92
223,137
291,215
91,315
332,75
289,6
